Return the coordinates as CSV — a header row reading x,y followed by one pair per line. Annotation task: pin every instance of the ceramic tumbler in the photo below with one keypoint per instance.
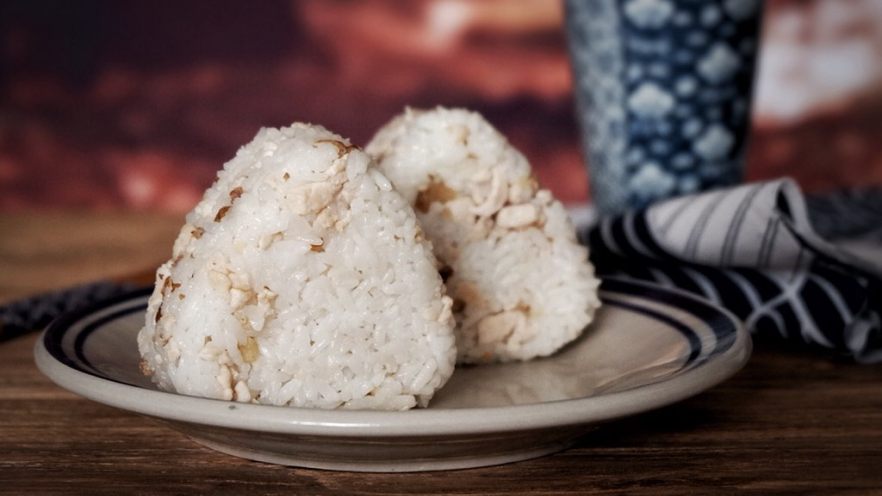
x,y
663,92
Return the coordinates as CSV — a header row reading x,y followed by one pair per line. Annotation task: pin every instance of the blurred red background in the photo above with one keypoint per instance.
x,y
135,105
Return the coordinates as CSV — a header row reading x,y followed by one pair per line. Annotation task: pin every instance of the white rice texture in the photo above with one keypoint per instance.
x,y
521,283
302,279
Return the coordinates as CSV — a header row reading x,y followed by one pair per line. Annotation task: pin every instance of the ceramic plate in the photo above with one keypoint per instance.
x,y
647,348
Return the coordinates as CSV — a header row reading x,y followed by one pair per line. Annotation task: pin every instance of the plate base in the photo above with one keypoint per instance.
x,y
386,454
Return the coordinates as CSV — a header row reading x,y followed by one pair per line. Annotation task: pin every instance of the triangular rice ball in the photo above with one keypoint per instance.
x,y
301,279
522,285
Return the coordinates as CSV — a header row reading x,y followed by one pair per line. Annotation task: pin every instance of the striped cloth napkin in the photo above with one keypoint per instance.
x,y
752,250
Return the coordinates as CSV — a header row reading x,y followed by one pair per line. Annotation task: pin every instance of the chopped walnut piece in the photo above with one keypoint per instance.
x,y
435,191
170,284
315,198
286,176
236,193
317,248
522,190
458,306
240,297
144,367
197,232
468,292
342,148
249,350
221,213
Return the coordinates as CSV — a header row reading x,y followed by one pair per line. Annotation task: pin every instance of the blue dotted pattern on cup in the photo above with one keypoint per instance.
x,y
663,88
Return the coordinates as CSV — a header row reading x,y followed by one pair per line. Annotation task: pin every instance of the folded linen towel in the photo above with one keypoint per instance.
x,y
752,250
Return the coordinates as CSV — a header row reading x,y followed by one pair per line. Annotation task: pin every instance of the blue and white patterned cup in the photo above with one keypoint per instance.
x,y
663,90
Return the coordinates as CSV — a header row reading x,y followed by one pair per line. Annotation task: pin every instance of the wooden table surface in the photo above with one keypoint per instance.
x,y
790,422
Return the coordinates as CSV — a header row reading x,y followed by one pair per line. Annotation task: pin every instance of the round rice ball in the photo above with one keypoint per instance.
x,y
521,283
303,279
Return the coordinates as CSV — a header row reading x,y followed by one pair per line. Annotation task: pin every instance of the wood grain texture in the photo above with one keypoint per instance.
x,y
43,250
792,422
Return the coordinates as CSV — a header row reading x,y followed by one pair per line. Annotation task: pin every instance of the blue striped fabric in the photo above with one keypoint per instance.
x,y
752,250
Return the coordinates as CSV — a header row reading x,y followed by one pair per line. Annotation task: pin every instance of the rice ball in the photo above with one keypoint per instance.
x,y
521,284
302,279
